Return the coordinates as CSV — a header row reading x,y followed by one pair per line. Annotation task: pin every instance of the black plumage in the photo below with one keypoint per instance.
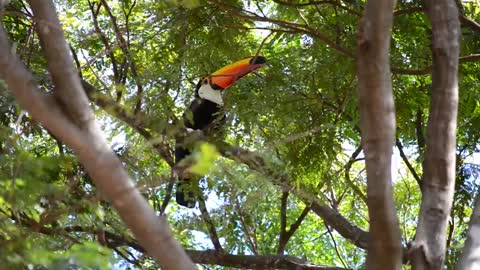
x,y
201,115
205,113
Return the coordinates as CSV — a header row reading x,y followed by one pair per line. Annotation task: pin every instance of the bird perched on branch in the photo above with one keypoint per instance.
x,y
205,111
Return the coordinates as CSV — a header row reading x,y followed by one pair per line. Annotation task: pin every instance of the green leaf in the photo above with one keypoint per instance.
x,y
204,158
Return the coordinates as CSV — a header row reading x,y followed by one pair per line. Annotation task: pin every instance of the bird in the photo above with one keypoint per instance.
x,y
205,111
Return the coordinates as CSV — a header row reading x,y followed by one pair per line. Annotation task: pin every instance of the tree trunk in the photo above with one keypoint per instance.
x,y
377,124
470,258
428,249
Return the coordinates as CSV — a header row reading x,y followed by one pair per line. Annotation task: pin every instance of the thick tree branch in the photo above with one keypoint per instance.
x,y
377,124
428,249
83,135
470,58
212,257
64,76
419,129
256,261
285,234
283,223
317,3
473,25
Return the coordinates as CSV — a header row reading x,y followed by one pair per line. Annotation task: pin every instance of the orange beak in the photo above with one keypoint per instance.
x,y
228,75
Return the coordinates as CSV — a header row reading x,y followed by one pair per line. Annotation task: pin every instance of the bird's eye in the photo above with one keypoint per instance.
x,y
205,81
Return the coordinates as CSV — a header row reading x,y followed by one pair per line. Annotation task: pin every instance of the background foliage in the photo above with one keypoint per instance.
x,y
299,113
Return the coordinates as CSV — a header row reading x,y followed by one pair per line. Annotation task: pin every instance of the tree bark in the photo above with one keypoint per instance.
x,y
470,257
377,124
67,115
428,249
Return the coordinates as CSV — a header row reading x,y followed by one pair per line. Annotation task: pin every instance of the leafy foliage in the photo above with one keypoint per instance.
x,y
299,113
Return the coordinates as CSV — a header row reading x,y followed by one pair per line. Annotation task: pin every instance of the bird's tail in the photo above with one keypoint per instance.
x,y
185,193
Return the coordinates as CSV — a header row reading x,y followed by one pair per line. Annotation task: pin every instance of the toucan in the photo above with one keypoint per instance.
x,y
204,111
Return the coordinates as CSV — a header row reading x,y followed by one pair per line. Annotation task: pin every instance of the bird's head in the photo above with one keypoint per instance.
x,y
210,87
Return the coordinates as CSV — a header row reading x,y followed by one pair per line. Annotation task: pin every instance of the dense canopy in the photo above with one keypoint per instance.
x,y
283,182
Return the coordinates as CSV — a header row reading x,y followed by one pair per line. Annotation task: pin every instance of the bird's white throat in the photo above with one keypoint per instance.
x,y
207,92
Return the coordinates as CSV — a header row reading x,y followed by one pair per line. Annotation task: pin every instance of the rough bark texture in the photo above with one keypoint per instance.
x,y
256,261
377,124
68,116
470,258
428,249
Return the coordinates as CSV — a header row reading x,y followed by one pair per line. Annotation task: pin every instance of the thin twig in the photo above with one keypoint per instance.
x,y
336,247
409,165
209,223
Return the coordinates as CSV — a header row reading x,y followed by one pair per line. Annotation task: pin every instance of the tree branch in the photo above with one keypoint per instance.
x,y
212,257
409,166
104,39
470,257
428,249
283,223
80,132
330,216
126,51
255,261
135,121
316,3
377,124
285,234
246,231
419,129
335,245
64,76
301,28
210,225
347,167
296,28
